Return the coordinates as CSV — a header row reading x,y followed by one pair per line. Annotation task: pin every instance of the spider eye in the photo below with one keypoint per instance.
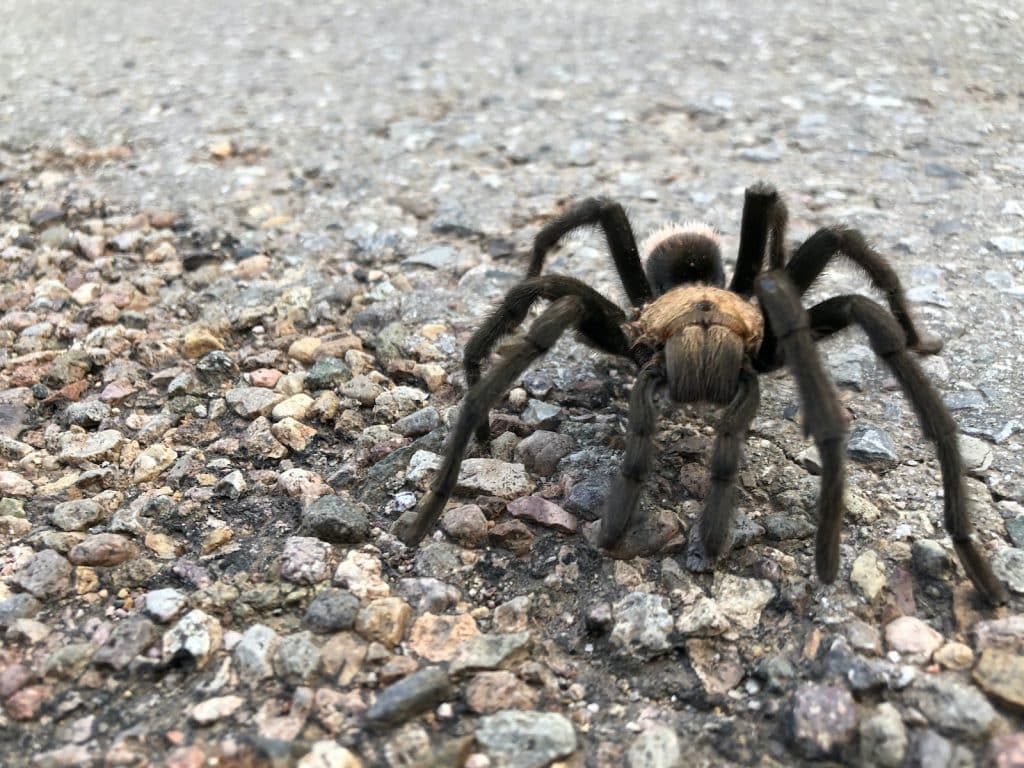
x,y
704,306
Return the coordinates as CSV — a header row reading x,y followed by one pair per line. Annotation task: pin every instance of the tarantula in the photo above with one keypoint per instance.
x,y
700,341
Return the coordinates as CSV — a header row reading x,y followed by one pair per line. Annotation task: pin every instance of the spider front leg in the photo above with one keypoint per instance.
x,y
888,341
814,255
567,312
716,519
764,215
609,215
601,328
823,418
636,464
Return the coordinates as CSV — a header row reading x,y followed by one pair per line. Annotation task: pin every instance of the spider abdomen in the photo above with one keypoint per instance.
x,y
706,334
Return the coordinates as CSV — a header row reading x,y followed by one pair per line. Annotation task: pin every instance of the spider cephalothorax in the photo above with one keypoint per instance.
x,y
699,340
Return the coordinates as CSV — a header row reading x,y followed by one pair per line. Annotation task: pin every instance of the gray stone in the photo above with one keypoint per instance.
x,y
409,697
466,525
331,610
93,448
18,606
197,635
76,515
87,413
541,451
935,751
657,747
643,625
428,595
1015,529
337,519
516,739
215,369
883,737
486,476
164,604
250,402
542,415
1007,244
488,652
436,257
1008,565
871,446
928,558
129,639
46,575
418,422
254,653
823,719
327,373
305,560
977,454
787,527
951,706
297,658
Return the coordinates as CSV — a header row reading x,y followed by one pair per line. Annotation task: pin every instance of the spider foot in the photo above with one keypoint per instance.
x,y
413,525
698,557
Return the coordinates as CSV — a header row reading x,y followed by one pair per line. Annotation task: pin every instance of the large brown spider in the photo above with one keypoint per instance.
x,y
703,342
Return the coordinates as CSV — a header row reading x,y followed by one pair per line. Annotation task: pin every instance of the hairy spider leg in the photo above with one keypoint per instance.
x,y
609,215
716,518
764,216
814,255
823,417
567,312
639,455
889,342
601,326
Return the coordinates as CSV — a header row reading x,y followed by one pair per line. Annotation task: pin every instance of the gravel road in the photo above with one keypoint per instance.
x,y
241,247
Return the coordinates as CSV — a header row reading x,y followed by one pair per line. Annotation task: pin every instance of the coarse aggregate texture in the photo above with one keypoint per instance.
x,y
241,247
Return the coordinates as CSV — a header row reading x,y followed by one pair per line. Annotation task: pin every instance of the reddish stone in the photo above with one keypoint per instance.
x,y
26,703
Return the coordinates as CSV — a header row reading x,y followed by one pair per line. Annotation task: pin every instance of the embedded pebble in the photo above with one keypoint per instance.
x,y
46,575
643,624
164,604
909,635
489,652
95,447
951,706
337,519
872,446
466,524
1001,675
76,515
410,696
251,402
218,708
1008,564
197,634
489,692
823,719
526,739
360,573
657,746
103,549
128,639
254,653
868,574
297,657
305,560
883,737
541,451
384,621
543,512
437,638
741,600
332,610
